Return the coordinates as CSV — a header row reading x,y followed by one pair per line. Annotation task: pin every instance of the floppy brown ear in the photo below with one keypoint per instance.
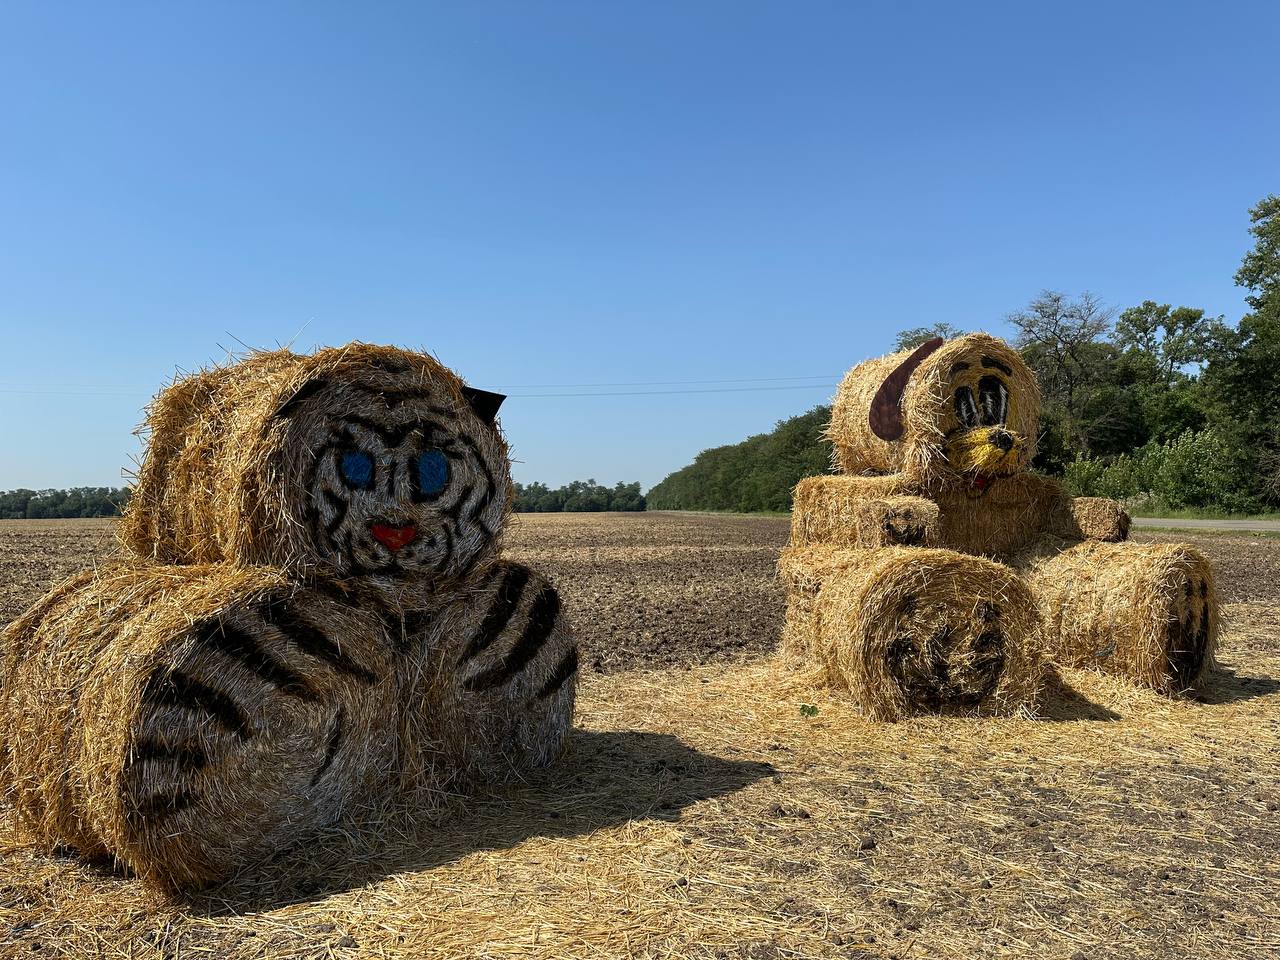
x,y
886,406
484,403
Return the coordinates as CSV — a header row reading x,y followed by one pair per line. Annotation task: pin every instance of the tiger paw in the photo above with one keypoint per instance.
x,y
212,717
489,682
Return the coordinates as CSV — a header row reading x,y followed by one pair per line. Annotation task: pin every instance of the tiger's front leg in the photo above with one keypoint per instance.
x,y
190,721
488,682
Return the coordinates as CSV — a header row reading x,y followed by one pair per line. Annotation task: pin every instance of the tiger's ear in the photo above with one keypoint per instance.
x,y
886,406
484,403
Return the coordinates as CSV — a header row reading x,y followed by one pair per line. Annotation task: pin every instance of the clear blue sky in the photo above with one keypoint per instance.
x,y
596,193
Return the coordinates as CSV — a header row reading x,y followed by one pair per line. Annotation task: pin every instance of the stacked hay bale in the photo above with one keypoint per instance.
x,y
311,537
935,510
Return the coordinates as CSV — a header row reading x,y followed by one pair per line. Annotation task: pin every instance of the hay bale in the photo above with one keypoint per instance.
x,y
837,511
907,630
359,461
803,570
1097,518
1147,612
488,682
189,721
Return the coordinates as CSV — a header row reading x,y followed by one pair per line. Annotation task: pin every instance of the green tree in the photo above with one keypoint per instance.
x,y
755,475
912,337
1242,377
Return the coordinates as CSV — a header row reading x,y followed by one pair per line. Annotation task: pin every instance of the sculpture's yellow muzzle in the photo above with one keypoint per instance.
x,y
985,451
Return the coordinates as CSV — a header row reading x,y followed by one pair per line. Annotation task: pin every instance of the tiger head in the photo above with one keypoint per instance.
x,y
395,468
960,412
354,461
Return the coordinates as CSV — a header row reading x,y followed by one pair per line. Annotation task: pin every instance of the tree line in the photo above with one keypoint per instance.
x,y
56,504
754,475
1164,407
580,496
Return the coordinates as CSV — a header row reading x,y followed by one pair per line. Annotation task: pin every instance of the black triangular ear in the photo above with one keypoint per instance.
x,y
484,403
886,406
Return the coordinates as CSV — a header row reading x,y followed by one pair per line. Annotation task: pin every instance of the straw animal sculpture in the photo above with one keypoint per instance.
x,y
933,448
312,616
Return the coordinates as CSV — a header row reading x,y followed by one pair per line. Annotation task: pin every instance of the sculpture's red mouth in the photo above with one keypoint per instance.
x,y
393,538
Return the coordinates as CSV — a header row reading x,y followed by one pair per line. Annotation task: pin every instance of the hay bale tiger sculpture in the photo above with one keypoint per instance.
x,y
932,572
310,614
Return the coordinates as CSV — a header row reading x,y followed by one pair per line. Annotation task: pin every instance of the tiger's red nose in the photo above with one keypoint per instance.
x,y
393,538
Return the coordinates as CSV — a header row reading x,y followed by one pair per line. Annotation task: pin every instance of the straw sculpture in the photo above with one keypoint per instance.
x,y
934,497
311,616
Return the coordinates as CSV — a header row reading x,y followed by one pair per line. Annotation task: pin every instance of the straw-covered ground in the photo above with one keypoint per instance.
x,y
700,812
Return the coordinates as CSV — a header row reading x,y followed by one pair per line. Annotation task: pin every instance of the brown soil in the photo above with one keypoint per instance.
x,y
701,813
643,590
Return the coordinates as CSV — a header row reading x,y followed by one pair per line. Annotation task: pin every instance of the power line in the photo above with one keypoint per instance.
x,y
659,393
657,383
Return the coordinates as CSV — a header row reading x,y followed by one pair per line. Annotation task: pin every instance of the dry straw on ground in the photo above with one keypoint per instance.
x,y
191,720
237,457
702,814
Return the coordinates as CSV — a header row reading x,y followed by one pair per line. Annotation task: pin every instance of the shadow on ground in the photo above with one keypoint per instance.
x,y
604,780
1063,703
1222,686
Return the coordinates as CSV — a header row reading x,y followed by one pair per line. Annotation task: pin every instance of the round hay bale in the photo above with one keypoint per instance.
x,y
359,461
1148,612
924,408
189,721
908,630
488,683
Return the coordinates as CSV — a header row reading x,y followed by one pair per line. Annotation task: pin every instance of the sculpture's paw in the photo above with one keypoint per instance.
x,y
258,724
910,630
948,658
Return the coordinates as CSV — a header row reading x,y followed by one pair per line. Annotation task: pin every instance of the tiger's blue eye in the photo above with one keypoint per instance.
x,y
431,471
357,469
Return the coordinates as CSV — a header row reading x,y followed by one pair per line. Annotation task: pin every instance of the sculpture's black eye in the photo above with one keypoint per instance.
x,y
993,398
356,468
966,410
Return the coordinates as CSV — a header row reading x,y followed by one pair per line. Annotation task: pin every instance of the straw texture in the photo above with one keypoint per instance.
x,y
1148,612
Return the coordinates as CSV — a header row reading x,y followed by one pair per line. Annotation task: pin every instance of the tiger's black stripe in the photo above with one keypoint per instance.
x,y
331,748
392,436
311,640
340,507
568,667
500,612
542,621
190,756
177,689
234,642
304,392
491,488
398,395
163,804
